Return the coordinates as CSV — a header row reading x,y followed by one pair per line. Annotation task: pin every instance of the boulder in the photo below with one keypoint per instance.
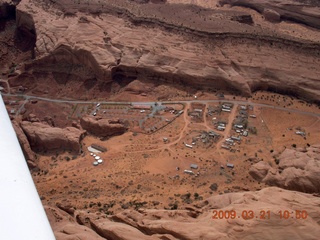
x,y
32,118
43,137
271,15
259,170
102,127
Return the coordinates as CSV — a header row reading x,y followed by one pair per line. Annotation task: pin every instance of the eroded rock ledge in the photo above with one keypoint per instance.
x,y
197,223
81,52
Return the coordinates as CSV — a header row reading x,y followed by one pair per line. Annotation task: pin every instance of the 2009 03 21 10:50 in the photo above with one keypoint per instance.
x,y
262,214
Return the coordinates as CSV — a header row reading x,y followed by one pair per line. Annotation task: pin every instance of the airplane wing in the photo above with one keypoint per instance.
x,y
21,213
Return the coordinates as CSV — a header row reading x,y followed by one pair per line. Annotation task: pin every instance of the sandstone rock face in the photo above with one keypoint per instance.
x,y
43,137
298,170
86,56
102,127
199,224
24,143
66,228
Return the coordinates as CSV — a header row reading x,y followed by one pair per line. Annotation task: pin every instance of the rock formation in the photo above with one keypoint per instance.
x,y
198,223
259,170
79,56
102,127
25,146
298,170
43,137
275,11
65,227
271,15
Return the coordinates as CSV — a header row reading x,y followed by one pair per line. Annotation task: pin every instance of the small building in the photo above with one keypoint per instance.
x,y
213,134
240,126
194,114
226,110
253,116
236,138
194,166
225,147
245,133
225,106
229,140
230,165
180,112
189,172
301,133
243,107
98,147
188,145
165,139
198,110
221,128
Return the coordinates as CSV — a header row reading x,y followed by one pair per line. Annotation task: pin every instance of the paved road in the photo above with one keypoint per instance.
x,y
27,97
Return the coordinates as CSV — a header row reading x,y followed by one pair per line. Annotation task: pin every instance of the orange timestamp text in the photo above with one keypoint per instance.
x,y
262,214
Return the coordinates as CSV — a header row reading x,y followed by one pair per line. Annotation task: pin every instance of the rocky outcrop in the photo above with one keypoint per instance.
x,y
298,170
202,223
43,137
259,170
305,12
65,227
102,127
86,56
271,15
25,146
